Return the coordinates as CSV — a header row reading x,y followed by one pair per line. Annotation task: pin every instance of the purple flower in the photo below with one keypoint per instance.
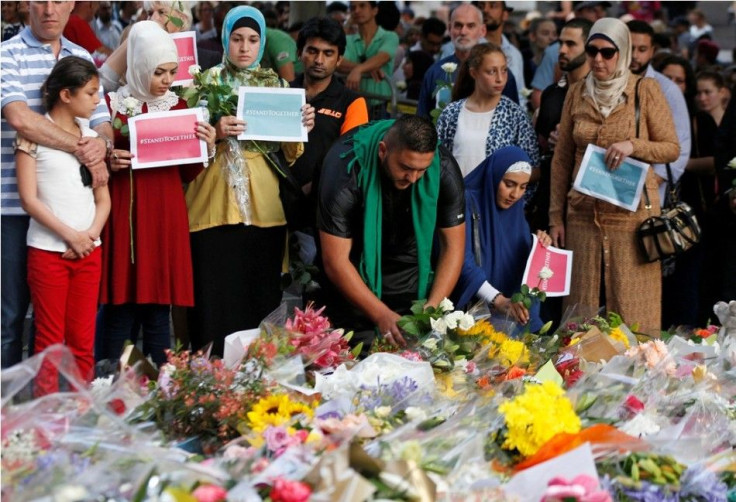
x,y
646,492
396,394
200,365
703,485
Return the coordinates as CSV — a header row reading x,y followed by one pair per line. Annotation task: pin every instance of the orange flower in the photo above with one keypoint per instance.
x,y
514,373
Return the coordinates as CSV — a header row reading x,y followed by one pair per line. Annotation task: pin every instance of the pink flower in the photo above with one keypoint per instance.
x,y
582,488
633,405
260,465
284,490
308,321
411,356
276,438
210,493
470,368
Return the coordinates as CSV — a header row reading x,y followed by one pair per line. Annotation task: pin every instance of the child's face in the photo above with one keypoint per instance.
x,y
85,99
163,76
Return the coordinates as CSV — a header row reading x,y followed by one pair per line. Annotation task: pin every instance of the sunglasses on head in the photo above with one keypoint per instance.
x,y
606,52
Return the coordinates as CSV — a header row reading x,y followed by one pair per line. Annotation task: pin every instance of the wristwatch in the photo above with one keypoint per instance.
x,y
108,146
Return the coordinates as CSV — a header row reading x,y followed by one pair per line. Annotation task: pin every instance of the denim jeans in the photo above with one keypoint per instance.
x,y
15,293
120,322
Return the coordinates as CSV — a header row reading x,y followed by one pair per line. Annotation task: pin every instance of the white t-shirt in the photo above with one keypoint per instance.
x,y
60,188
469,145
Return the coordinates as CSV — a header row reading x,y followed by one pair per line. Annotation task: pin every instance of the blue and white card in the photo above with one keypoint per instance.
x,y
272,113
621,187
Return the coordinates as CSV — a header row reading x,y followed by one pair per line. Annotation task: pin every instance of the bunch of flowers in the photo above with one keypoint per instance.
x,y
313,338
208,87
198,397
653,354
277,410
443,336
390,405
535,416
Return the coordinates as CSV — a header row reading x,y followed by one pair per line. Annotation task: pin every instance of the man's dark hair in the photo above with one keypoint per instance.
x,y
579,22
388,16
434,26
641,28
412,132
325,28
337,7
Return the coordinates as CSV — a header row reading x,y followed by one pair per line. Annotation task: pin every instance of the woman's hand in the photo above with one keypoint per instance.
x,y
516,310
206,133
544,239
616,153
308,114
120,159
81,243
229,126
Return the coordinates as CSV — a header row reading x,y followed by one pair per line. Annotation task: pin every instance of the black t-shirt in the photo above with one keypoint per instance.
x,y
340,213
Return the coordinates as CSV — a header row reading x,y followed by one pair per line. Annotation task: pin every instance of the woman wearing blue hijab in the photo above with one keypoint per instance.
x,y
237,223
498,239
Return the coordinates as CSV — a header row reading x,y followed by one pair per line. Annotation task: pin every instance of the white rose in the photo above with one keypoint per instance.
x,y
453,318
130,103
446,305
732,163
546,273
439,325
449,67
415,413
382,411
401,85
525,92
194,70
466,322
215,71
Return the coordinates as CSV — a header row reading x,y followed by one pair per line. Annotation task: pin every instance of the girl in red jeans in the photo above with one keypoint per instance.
x,y
67,216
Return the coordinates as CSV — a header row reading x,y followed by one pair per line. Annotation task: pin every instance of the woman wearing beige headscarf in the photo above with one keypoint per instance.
x,y
609,268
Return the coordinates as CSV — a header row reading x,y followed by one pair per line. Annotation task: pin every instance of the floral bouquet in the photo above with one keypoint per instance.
x,y
198,398
220,98
443,336
442,90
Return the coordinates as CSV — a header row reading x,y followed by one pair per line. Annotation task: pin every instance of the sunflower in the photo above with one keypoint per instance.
x,y
269,411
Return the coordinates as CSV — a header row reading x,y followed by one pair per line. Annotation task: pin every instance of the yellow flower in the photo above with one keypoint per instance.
x,y
618,335
534,417
512,352
275,410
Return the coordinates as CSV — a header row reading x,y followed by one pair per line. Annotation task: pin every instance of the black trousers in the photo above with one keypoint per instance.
x,y
237,281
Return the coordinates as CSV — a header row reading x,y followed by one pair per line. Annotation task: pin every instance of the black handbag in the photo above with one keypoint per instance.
x,y
675,230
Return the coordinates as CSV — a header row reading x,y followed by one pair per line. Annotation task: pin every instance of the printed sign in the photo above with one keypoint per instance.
x,y
272,114
166,139
559,263
186,47
621,187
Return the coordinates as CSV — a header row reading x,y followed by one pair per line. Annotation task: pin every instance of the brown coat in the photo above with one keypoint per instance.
x,y
603,236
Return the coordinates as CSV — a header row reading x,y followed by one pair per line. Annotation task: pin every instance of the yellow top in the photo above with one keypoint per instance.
x,y
211,202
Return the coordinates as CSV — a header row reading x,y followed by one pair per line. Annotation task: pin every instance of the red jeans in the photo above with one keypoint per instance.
x,y
64,294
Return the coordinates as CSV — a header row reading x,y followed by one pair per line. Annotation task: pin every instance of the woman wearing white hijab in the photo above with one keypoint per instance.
x,y
147,261
609,269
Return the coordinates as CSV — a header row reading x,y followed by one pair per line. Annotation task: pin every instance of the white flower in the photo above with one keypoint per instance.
x,y
449,67
430,343
401,85
466,322
411,450
546,273
641,425
453,318
215,71
439,325
446,305
732,163
70,493
525,92
194,70
100,386
415,413
382,411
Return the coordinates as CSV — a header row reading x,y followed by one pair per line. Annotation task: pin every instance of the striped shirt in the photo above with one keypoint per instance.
x,y
26,62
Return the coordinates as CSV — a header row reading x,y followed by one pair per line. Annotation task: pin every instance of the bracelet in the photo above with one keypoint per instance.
x,y
211,152
493,301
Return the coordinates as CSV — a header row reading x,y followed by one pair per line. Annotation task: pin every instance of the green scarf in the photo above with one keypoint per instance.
x,y
424,196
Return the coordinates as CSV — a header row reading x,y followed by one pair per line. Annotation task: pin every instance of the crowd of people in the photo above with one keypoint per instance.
x,y
439,203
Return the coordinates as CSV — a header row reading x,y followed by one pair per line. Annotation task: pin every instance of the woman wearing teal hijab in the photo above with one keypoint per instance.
x,y
236,220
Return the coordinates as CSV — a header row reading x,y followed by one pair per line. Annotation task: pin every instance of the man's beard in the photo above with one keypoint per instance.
x,y
574,63
493,26
642,69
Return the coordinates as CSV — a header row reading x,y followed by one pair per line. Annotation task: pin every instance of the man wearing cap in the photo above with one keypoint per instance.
x,y
387,190
495,14
466,30
545,74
